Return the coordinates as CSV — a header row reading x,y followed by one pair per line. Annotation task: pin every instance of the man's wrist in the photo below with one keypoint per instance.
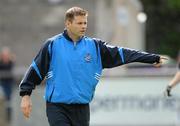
x,y
158,58
24,93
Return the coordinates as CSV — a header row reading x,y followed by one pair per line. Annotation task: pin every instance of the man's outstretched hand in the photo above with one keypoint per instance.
x,y
161,61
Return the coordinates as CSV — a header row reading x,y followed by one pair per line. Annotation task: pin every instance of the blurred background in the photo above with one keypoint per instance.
x,y
130,95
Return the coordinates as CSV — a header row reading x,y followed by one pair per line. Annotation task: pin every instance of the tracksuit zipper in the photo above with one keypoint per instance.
x,y
75,45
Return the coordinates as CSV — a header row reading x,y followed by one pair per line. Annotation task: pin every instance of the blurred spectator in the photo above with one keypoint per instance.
x,y
6,78
175,80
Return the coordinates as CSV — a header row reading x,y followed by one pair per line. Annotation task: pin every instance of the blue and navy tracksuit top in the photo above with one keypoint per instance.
x,y
72,71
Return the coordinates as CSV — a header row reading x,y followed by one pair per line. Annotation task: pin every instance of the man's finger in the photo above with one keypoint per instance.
x,y
26,114
158,64
24,110
164,58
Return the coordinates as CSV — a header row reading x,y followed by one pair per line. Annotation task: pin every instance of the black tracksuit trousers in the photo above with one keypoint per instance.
x,y
60,114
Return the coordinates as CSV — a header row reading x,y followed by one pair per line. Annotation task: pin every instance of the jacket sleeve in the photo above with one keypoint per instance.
x,y
112,56
37,70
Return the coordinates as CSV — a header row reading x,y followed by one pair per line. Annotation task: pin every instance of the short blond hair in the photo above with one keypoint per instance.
x,y
75,11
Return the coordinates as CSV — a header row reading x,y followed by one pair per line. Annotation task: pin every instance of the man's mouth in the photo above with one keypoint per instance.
x,y
82,31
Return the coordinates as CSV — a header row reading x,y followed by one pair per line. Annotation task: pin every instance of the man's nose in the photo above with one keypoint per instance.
x,y
84,26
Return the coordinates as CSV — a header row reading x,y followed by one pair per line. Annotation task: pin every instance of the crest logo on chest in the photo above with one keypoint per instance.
x,y
88,57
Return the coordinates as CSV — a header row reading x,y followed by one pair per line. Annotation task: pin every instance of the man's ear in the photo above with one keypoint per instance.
x,y
67,23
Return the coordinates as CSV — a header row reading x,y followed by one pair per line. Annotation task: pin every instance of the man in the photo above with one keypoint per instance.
x,y
72,65
174,81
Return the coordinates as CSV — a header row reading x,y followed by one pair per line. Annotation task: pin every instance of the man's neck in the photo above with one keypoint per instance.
x,y
72,36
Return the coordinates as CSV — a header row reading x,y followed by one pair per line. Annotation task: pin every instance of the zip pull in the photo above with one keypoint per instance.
x,y
75,45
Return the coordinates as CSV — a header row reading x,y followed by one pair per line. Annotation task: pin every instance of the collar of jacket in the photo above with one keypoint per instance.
x,y
65,34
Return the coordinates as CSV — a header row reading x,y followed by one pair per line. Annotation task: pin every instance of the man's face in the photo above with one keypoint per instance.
x,y
77,26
